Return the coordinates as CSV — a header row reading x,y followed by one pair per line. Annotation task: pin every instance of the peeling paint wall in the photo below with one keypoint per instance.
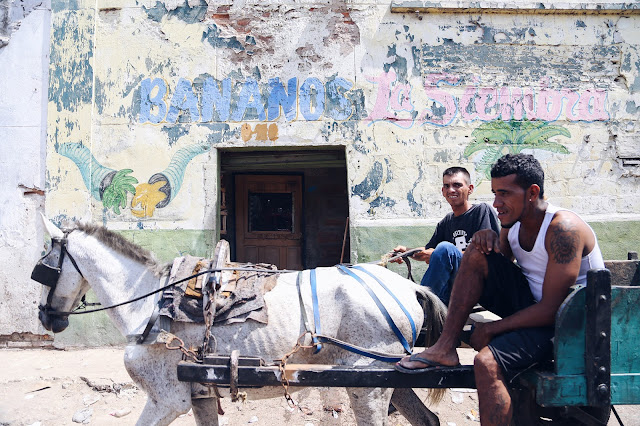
x,y
24,61
142,94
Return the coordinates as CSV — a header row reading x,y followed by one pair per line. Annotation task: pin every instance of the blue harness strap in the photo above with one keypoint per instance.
x,y
380,356
413,324
383,310
316,310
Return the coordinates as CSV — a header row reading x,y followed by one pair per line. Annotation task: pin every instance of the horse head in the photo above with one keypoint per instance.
x,y
58,271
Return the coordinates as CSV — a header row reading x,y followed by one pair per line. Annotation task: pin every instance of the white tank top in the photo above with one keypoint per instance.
x,y
534,263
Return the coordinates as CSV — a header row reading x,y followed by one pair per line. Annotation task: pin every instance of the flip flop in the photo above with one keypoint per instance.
x,y
416,357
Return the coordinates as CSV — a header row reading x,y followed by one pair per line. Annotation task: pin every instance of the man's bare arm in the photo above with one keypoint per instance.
x,y
565,244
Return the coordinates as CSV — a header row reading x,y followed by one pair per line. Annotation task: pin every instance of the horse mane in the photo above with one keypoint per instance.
x,y
122,245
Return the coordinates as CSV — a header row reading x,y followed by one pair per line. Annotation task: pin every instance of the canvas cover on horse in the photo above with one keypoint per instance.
x,y
239,294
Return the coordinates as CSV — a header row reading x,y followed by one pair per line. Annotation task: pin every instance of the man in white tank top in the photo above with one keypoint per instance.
x,y
554,249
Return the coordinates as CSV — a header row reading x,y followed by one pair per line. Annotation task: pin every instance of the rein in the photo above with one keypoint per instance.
x,y
206,271
48,276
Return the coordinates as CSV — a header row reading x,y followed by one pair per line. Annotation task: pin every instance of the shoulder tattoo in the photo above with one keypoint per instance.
x,y
564,242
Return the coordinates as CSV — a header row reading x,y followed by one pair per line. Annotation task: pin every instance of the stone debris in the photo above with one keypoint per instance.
x,y
333,407
82,416
99,385
120,413
457,398
108,385
306,410
473,416
90,399
253,419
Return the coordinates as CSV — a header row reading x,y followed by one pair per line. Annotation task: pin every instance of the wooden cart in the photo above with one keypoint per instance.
x,y
597,361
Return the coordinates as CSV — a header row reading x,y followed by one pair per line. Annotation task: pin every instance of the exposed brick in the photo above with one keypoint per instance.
x,y
19,344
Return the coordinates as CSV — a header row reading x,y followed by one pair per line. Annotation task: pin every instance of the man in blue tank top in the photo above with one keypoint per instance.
x,y
554,248
453,233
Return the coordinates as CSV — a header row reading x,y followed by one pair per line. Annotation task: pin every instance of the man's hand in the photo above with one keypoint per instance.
x,y
396,251
486,241
481,335
421,256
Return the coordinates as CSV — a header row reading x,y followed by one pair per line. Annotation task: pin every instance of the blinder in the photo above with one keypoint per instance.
x,y
48,275
45,274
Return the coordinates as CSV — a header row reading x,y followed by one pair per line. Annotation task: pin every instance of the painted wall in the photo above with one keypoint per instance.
x,y
24,63
142,94
133,131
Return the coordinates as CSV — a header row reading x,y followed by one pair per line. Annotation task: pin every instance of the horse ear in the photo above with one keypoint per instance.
x,y
50,228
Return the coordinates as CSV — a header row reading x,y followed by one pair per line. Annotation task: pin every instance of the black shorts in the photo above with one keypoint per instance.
x,y
505,292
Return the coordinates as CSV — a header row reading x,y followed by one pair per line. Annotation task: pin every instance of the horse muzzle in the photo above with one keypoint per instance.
x,y
52,322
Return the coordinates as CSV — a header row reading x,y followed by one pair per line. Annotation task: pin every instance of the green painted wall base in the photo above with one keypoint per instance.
x,y
616,239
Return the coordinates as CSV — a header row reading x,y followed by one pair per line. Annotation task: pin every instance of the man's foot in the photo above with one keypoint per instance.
x,y
418,363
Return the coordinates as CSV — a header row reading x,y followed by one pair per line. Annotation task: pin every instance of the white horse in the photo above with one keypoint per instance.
x,y
118,270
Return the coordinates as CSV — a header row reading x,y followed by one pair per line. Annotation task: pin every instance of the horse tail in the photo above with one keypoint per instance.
x,y
435,313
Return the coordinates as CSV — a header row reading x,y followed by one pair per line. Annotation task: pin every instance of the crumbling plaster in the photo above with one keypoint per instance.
x,y
24,49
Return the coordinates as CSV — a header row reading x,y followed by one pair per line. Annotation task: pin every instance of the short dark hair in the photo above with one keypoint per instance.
x,y
527,169
455,170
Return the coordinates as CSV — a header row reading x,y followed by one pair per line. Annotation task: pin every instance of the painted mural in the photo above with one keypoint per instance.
x,y
404,96
113,187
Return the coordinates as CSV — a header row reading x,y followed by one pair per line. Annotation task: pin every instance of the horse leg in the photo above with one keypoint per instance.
x,y
205,411
153,370
370,405
161,414
412,408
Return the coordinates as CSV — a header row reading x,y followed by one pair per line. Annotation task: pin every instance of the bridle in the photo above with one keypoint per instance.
x,y
48,275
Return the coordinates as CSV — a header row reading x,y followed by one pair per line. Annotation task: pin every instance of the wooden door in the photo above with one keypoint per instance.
x,y
268,220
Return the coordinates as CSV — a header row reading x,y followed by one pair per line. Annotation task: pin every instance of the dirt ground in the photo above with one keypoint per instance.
x,y
41,387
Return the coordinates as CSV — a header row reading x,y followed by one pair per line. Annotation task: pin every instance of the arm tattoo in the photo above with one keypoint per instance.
x,y
564,242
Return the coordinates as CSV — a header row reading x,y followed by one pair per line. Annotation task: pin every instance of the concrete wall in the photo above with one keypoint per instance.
x,y
24,64
142,95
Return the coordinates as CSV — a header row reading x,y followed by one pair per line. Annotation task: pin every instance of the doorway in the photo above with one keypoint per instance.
x,y
288,208
269,219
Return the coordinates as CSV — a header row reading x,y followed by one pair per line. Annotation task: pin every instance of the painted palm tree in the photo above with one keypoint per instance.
x,y
497,138
107,185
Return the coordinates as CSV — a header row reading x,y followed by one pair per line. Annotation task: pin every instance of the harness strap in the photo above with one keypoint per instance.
x,y
383,310
73,261
380,356
140,339
318,338
413,324
316,314
316,310
303,311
